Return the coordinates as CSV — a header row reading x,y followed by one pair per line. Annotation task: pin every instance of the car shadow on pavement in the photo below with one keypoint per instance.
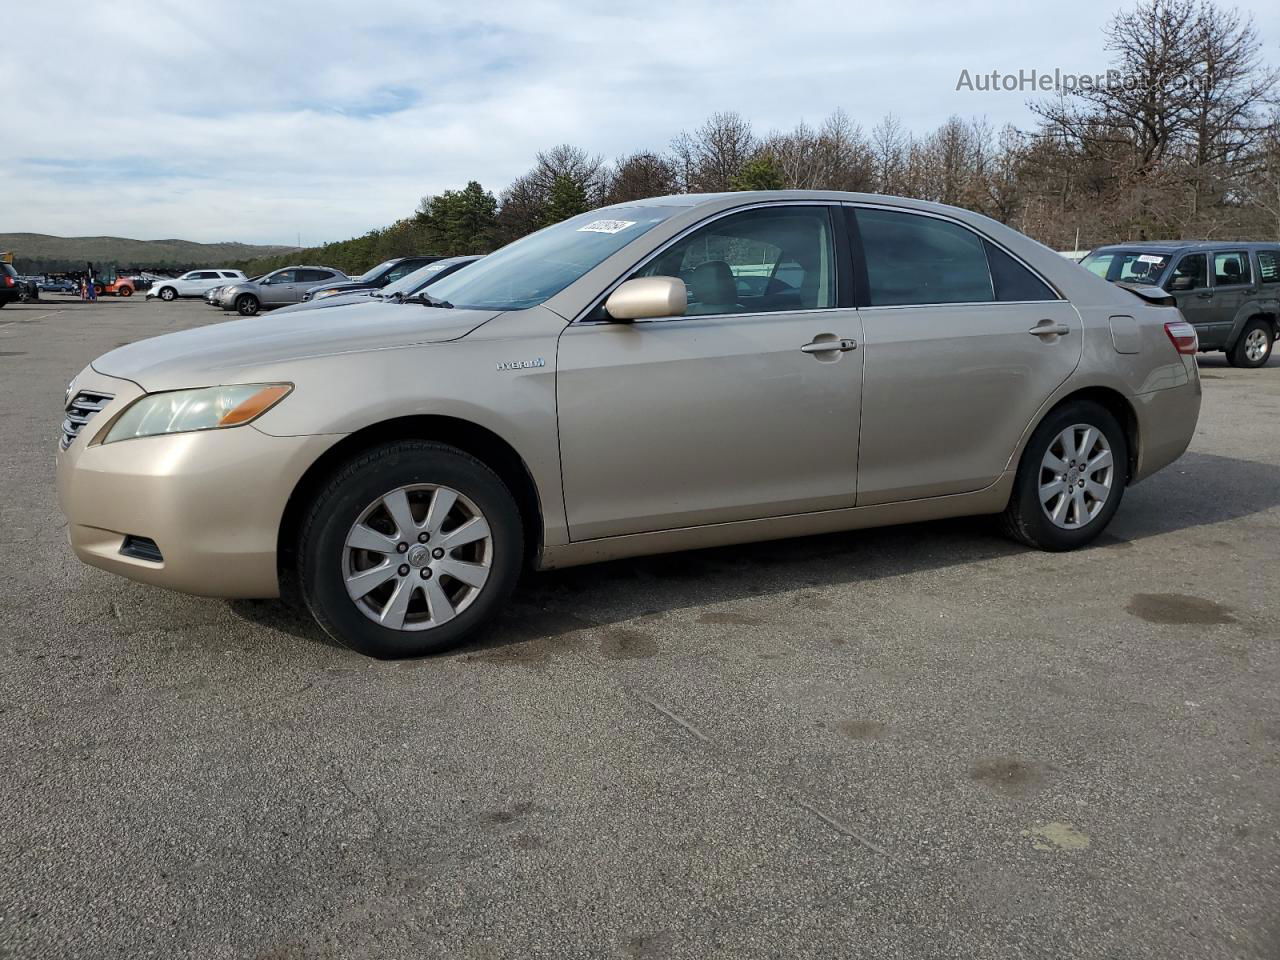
x,y
1198,490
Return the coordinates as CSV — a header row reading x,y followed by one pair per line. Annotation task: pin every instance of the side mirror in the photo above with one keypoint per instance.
x,y
1181,283
647,298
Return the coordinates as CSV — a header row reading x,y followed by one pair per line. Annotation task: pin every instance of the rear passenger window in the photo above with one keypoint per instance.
x,y
1013,281
1269,266
1230,268
915,259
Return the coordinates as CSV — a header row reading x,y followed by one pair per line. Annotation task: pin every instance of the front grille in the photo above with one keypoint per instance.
x,y
80,411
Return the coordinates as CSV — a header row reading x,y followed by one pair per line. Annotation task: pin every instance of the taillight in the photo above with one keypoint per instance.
x,y
8,280
1183,336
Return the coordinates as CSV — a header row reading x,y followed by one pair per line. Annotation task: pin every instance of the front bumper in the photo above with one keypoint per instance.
x,y
212,501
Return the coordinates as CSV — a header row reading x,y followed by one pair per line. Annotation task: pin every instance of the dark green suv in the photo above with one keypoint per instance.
x,y
1230,292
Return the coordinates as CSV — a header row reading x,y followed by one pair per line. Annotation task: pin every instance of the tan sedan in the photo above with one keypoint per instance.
x,y
662,375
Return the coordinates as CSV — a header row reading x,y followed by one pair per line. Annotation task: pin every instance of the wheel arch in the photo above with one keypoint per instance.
x,y
1253,310
482,443
1114,402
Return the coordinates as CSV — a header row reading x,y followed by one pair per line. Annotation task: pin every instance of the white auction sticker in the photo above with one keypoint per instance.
x,y
1149,258
606,226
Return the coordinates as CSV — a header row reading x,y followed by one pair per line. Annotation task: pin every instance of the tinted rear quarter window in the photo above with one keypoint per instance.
x,y
1014,282
1269,266
917,259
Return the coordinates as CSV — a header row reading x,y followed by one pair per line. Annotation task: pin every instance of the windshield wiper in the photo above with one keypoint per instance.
x,y
427,301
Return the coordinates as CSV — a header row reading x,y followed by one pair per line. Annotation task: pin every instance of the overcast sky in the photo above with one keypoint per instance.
x,y
262,121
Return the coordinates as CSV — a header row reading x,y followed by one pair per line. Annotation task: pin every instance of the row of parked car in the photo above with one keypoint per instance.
x,y
305,287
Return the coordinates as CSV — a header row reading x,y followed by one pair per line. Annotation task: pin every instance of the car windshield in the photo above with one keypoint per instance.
x,y
413,282
525,273
1131,266
371,275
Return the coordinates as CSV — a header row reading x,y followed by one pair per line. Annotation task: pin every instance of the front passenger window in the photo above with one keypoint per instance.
x,y
1191,273
759,261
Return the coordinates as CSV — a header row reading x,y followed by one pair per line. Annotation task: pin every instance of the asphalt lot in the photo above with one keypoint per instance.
x,y
915,742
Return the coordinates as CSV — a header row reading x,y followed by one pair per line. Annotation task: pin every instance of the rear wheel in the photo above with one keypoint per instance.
x,y
1070,480
168,293
1253,349
247,305
409,550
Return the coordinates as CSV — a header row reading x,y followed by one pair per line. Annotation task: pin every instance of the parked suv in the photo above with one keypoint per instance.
x,y
665,374
375,279
275,289
1230,292
193,283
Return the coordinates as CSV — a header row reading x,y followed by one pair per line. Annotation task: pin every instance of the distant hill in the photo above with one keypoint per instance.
x,y
39,252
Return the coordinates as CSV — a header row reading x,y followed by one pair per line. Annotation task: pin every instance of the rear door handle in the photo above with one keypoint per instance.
x,y
1047,328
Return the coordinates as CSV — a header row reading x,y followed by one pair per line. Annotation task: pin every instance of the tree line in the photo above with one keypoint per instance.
x,y
1185,146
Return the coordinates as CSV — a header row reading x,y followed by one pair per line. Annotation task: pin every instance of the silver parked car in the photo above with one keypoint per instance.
x,y
661,375
274,289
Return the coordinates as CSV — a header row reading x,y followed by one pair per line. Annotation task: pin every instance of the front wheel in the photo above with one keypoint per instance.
x,y
247,305
1253,349
168,294
409,550
1070,479
125,292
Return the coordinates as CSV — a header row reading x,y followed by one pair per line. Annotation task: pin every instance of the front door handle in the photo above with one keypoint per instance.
x,y
1048,328
830,346
1205,296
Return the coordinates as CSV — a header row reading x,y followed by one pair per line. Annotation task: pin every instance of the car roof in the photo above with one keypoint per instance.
x,y
1178,246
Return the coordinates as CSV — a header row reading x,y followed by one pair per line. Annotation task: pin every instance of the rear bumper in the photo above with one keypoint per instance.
x,y
1166,423
211,501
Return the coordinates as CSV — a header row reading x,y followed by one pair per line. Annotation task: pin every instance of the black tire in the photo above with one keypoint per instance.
x,y
168,294
247,305
124,292
1238,355
361,482
1024,519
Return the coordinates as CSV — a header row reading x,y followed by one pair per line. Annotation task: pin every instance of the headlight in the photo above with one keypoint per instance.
x,y
209,408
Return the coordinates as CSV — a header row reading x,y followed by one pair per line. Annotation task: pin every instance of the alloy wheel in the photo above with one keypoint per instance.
x,y
1255,345
1077,473
417,557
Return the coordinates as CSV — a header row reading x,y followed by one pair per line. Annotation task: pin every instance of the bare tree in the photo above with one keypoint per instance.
x,y
642,174
713,155
889,148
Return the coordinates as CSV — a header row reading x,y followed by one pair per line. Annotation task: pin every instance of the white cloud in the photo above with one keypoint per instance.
x,y
225,119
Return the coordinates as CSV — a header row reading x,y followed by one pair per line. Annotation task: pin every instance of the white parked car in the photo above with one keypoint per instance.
x,y
194,283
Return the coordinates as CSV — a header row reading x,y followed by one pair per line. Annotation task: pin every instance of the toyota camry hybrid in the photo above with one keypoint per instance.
x,y
660,375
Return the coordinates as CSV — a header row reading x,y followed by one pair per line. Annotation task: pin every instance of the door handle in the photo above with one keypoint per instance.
x,y
830,346
1204,296
1047,328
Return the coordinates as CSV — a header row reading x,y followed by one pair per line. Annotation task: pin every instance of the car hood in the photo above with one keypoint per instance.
x,y
223,352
